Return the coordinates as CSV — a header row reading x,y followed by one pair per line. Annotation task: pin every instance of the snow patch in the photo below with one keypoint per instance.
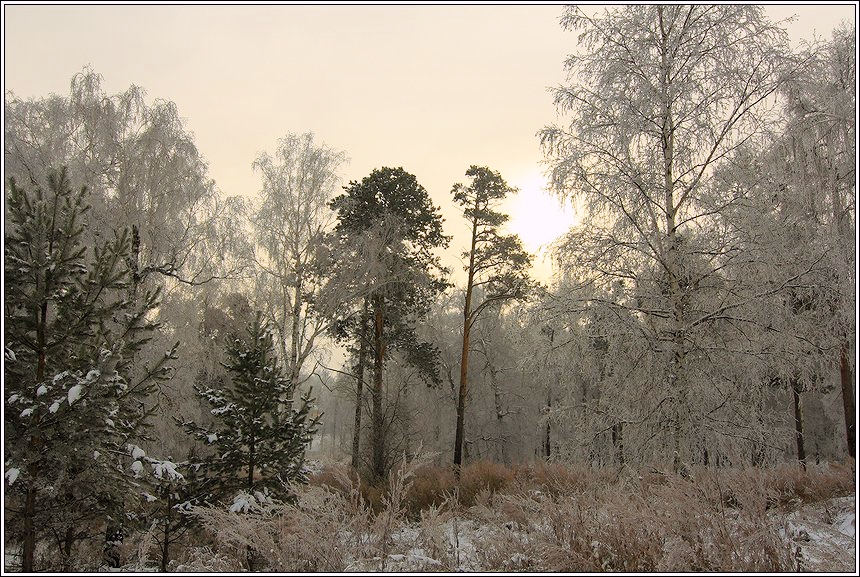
x,y
27,412
136,452
137,468
846,524
12,475
823,534
75,393
42,390
241,503
166,470
54,407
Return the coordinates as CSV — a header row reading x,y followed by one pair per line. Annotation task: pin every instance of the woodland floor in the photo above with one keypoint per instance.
x,y
530,518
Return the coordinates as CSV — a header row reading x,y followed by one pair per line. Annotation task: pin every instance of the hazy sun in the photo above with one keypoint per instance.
x,y
536,216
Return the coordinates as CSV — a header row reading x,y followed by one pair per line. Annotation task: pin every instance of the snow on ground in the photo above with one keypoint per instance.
x,y
824,534
456,549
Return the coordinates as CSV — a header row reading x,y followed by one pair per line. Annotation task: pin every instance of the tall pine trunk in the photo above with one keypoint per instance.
x,y
359,385
464,355
461,395
378,432
847,398
798,422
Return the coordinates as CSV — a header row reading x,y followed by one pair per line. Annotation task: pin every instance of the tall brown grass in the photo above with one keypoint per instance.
x,y
539,517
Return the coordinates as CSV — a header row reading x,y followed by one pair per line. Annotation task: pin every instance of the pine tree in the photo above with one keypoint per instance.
x,y
498,264
176,489
74,401
258,436
387,223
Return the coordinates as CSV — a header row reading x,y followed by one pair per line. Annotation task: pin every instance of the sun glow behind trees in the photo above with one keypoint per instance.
x,y
539,219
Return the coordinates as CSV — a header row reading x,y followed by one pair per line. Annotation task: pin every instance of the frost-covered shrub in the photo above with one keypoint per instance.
x,y
322,528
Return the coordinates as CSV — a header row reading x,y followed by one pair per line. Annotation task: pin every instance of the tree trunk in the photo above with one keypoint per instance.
x,y
378,433
547,448
464,353
461,396
251,463
165,545
500,414
675,379
758,450
134,263
29,531
29,537
618,442
68,541
249,554
798,422
359,385
847,398
296,333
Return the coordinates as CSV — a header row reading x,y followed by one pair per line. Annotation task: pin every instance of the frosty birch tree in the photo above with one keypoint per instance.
x,y
143,171
290,226
817,155
498,264
796,220
661,95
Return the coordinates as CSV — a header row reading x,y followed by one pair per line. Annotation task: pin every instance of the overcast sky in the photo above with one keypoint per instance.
x,y
430,88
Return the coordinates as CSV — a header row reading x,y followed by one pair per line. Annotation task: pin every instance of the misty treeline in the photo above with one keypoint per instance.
x,y
169,347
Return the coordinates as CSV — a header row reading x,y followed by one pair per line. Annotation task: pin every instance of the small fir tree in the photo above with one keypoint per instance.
x,y
176,488
259,434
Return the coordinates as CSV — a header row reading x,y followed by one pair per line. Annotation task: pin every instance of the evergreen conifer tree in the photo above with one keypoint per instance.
x,y
75,403
259,434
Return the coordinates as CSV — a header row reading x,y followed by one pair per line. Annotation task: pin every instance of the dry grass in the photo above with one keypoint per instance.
x,y
675,525
532,518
